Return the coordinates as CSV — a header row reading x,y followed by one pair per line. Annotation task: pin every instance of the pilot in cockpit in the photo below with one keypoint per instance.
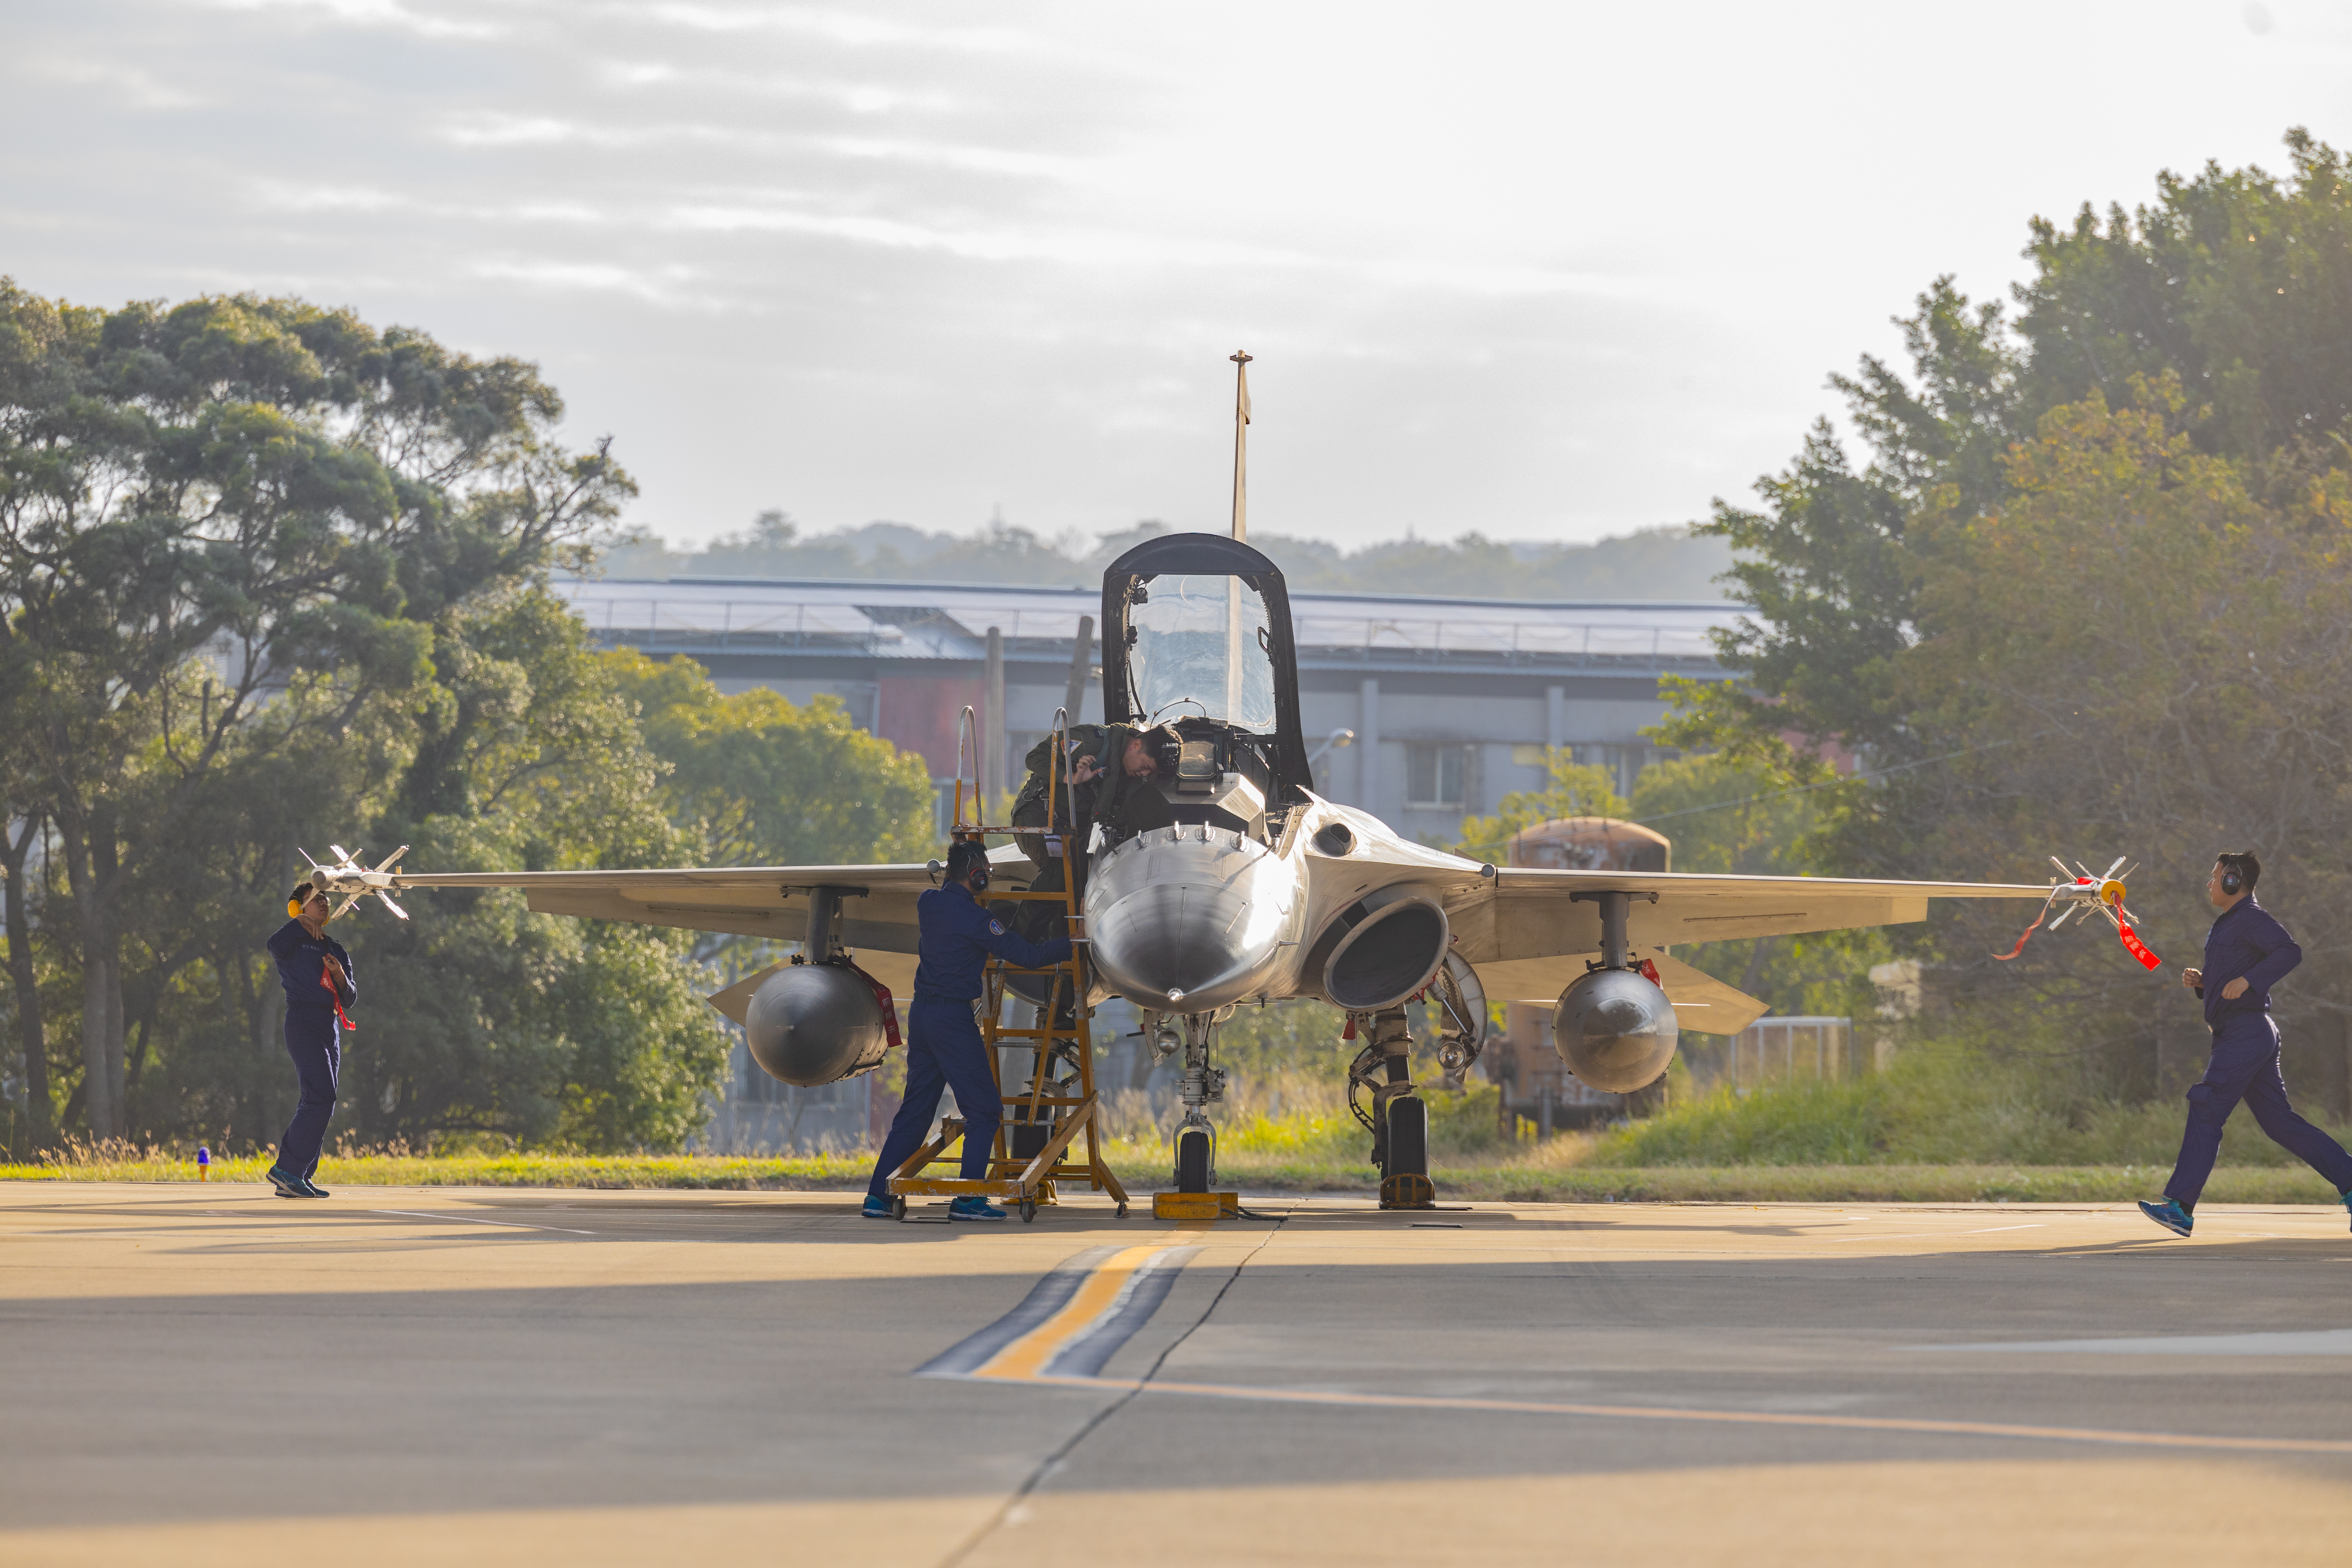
x,y
1124,802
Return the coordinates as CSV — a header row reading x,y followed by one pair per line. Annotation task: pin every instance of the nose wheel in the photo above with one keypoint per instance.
x,y
1194,1149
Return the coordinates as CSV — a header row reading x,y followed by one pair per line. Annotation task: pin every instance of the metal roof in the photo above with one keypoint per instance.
x,y
895,620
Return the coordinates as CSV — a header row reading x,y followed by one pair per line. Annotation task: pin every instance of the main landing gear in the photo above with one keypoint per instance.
x,y
1398,1118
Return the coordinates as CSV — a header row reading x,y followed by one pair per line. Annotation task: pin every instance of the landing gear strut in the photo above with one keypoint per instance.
x,y
1398,1118
1196,1139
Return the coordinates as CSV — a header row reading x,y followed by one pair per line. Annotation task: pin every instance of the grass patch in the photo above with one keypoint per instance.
x,y
1936,1129
800,1172
1279,1156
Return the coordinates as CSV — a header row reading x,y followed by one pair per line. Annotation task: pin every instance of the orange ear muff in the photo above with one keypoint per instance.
x,y
294,908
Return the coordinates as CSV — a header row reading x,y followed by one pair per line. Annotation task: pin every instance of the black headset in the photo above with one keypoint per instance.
x,y
967,858
2234,881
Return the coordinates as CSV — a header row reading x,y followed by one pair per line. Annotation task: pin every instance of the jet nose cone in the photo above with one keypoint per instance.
x,y
1175,941
1188,924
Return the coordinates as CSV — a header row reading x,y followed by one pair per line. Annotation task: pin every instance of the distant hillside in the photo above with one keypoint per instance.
x,y
1655,563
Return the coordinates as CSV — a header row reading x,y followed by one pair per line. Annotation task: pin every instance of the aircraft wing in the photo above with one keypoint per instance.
x,y
1529,936
771,902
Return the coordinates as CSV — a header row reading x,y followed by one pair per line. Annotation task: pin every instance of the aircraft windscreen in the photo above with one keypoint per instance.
x,y
1200,646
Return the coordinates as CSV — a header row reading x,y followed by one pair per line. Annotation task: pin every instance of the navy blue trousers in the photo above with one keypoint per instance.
x,y
2245,1066
943,1050
311,1041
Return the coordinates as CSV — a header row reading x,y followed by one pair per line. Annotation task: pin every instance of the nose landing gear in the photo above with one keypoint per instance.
x,y
1195,1196
1196,1139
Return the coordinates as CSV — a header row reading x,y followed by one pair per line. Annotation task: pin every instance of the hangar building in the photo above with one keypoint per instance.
x,y
1450,702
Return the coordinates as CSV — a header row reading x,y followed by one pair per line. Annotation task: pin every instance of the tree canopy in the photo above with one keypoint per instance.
x,y
272,578
1654,564
2088,592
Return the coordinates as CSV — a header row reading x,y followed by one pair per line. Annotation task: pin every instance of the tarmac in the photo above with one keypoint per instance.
x,y
205,1375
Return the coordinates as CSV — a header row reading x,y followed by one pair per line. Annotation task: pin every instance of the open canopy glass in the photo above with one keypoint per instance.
x,y
1201,647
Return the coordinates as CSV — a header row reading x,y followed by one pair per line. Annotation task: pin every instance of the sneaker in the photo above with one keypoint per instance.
x,y
879,1208
2347,1200
287,1183
974,1208
2169,1214
311,1189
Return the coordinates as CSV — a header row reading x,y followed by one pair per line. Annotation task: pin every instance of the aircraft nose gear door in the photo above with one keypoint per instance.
x,y
1398,1118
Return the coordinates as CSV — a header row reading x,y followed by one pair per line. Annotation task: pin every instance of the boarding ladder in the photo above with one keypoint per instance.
x,y
1042,1123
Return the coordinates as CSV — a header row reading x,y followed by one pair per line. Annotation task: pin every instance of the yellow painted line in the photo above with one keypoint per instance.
x,y
1736,1417
1025,1357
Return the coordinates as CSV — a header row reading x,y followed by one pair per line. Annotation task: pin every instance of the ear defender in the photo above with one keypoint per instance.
x,y
294,908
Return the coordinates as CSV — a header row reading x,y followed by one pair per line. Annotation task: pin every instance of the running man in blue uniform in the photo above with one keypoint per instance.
x,y
944,1048
2246,954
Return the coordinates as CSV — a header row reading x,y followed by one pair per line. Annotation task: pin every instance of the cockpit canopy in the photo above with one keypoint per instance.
x,y
1196,628
1201,645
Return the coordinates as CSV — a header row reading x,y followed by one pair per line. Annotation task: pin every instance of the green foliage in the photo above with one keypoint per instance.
x,y
1741,818
761,781
1572,789
1937,1105
2089,595
268,578
199,504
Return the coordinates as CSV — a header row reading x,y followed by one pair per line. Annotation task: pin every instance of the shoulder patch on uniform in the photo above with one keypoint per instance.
x,y
996,928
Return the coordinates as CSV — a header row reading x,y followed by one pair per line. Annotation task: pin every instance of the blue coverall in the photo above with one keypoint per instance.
x,y
313,1038
2247,943
943,1044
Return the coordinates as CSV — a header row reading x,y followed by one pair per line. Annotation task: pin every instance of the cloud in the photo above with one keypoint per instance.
x,y
375,14
126,82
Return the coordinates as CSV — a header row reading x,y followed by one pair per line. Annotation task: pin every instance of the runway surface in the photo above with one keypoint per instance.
x,y
205,1375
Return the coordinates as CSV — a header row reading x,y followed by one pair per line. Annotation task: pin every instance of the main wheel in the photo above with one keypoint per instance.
x,y
1191,1161
1408,1137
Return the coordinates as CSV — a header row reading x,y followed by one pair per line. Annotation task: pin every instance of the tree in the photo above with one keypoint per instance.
x,y
1740,818
1571,789
259,487
759,780
481,1016
2232,282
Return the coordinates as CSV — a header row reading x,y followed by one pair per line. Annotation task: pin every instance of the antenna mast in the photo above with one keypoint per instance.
x,y
1241,446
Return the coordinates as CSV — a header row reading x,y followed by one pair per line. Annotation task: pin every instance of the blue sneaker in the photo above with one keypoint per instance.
x,y
2347,1200
287,1183
879,1208
974,1208
2168,1214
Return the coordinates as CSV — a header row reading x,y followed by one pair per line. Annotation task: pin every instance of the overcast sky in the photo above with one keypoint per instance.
x,y
1542,270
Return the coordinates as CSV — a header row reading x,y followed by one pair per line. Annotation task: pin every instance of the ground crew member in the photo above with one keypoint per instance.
x,y
943,1043
2246,953
318,977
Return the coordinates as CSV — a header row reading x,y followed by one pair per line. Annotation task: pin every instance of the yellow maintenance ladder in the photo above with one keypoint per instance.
x,y
1067,1105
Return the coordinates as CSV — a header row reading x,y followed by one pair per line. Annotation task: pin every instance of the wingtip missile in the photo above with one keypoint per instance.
x,y
353,880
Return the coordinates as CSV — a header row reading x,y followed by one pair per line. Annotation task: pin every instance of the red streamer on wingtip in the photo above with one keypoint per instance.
x,y
2136,948
2013,952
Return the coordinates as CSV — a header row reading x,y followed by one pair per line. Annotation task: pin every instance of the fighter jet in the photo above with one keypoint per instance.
x,y
1252,887
1257,889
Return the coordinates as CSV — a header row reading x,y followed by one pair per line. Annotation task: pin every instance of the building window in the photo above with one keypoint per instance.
x,y
1436,775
